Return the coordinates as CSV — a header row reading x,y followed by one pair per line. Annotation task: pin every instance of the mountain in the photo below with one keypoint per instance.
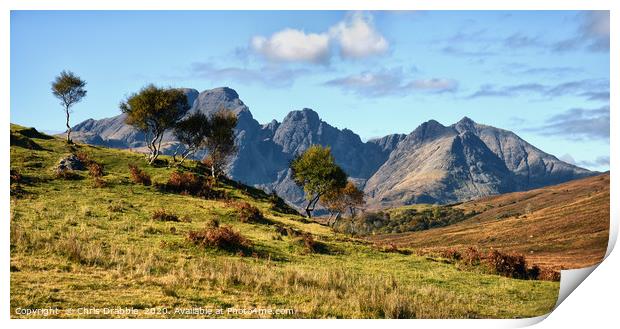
x,y
432,164
439,164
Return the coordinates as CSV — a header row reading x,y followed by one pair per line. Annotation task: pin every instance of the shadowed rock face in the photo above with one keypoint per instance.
x,y
433,164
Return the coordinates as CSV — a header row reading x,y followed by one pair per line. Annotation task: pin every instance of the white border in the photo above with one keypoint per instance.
x,y
592,304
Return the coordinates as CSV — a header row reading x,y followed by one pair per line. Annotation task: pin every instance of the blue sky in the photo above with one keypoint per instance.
x,y
541,74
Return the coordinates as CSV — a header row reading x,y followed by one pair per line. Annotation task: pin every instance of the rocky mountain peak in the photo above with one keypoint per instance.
x,y
428,130
305,115
465,125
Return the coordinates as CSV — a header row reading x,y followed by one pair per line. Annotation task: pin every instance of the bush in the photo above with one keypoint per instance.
x,y
547,274
95,170
471,256
83,157
509,265
163,216
311,246
220,237
185,183
138,176
248,213
16,177
188,183
451,253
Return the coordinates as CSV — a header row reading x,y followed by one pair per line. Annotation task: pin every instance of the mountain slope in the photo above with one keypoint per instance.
x,y
561,226
433,164
69,240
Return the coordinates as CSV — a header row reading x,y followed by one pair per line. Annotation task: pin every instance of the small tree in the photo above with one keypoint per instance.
x,y
220,142
153,111
69,88
338,201
192,133
316,171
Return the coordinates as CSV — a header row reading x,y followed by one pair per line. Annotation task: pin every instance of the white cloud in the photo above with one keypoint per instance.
x,y
358,37
355,36
290,45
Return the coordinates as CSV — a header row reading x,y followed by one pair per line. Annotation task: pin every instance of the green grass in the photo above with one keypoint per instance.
x,y
74,245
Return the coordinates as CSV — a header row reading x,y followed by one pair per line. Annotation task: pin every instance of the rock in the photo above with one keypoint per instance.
x,y
70,162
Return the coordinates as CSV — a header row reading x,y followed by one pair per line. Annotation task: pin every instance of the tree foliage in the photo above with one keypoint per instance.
x,y
317,172
340,200
69,88
192,133
220,142
154,110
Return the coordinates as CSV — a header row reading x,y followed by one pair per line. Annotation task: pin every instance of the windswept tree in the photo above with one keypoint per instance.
x,y
340,200
317,172
192,133
69,88
220,142
153,111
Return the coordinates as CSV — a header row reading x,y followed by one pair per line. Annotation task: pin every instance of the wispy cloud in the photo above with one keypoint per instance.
x,y
551,71
592,34
271,76
356,37
591,89
599,161
577,124
391,82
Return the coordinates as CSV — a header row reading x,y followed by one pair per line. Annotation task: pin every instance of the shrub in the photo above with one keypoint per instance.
x,y
16,180
451,253
185,183
311,246
248,213
138,176
16,177
83,157
533,273
95,170
547,274
162,215
509,265
471,256
188,183
220,237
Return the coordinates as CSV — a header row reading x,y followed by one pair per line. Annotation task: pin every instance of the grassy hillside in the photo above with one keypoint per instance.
x,y
76,245
562,226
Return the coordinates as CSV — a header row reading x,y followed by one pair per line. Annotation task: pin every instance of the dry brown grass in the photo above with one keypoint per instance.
x,y
562,227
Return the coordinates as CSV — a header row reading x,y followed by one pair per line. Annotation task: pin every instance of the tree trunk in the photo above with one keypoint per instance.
x,y
154,150
188,153
312,203
68,126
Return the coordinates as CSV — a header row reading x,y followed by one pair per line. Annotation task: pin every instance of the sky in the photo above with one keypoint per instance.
x,y
542,74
